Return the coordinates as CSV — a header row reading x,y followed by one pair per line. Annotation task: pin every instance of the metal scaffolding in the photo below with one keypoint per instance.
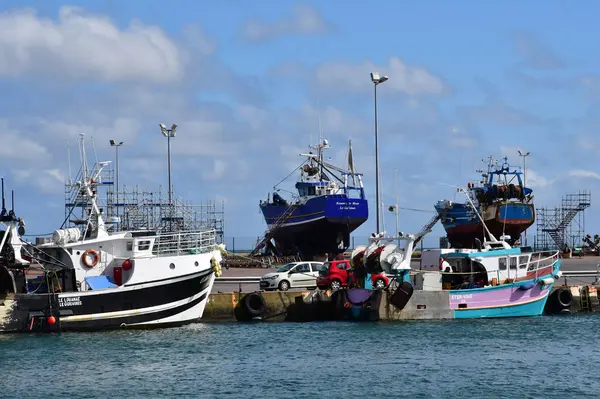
x,y
140,209
564,226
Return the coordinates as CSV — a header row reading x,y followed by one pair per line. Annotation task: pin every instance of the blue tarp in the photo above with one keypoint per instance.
x,y
100,282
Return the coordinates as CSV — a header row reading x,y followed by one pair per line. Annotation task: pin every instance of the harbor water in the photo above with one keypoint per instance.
x,y
550,356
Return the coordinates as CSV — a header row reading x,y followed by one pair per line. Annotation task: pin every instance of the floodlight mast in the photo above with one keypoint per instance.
x,y
376,79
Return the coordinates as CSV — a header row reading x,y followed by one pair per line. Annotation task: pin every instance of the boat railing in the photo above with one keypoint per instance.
x,y
533,266
542,263
184,243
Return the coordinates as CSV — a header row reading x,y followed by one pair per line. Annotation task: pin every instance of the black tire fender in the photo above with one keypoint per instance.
x,y
564,297
254,304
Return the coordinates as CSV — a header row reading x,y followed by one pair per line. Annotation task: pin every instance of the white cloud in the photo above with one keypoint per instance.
x,y
198,40
334,123
50,181
537,181
85,46
404,78
586,174
218,170
305,20
122,129
17,146
459,138
254,116
204,138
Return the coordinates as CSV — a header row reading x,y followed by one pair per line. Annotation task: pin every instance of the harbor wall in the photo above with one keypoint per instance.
x,y
225,306
423,305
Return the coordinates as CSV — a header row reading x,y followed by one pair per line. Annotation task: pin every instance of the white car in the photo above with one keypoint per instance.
x,y
292,275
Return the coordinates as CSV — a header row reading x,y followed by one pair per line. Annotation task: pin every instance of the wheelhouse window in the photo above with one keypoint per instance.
x,y
513,262
523,262
502,264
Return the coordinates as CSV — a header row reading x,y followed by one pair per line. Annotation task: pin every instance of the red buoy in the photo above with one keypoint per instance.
x,y
51,320
127,264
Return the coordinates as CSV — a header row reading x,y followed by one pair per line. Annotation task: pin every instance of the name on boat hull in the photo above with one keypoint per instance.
x,y
461,296
69,301
348,205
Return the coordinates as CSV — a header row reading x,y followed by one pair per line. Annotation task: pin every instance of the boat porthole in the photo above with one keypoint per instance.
x,y
172,266
78,252
196,263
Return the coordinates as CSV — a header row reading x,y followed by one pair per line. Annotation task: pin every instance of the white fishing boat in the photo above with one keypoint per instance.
x,y
88,278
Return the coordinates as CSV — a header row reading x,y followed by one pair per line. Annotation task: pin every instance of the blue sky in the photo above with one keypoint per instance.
x,y
244,80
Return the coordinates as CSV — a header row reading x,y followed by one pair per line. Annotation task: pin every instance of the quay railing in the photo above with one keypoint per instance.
x,y
181,243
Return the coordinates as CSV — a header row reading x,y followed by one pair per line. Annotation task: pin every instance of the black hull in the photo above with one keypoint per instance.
x,y
163,303
316,238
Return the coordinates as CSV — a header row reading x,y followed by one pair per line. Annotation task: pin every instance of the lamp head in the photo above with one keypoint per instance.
x,y
376,78
112,142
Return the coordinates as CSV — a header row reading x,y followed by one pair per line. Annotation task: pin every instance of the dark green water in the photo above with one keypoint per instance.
x,y
546,357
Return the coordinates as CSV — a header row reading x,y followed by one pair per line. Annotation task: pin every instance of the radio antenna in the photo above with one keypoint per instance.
x,y
3,201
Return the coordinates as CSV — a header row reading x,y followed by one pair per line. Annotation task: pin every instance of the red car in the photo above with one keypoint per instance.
x,y
338,273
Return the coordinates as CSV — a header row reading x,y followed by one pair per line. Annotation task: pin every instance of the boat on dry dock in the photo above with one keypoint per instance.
x,y
89,278
500,197
329,205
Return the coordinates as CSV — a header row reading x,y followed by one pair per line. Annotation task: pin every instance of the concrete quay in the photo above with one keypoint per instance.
x,y
231,302
571,264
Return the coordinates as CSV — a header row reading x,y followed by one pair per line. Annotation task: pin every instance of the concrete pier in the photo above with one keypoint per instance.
x,y
423,305
571,264
222,307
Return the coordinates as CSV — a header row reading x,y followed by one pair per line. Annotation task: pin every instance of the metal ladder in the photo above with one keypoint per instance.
x,y
584,296
274,227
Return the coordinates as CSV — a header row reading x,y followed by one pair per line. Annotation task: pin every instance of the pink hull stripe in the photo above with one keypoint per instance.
x,y
497,297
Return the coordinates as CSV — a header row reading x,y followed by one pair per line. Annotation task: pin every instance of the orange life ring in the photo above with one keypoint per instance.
x,y
95,257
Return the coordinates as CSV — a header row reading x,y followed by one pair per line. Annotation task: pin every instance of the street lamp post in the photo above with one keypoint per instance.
x,y
376,79
168,133
524,155
113,143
